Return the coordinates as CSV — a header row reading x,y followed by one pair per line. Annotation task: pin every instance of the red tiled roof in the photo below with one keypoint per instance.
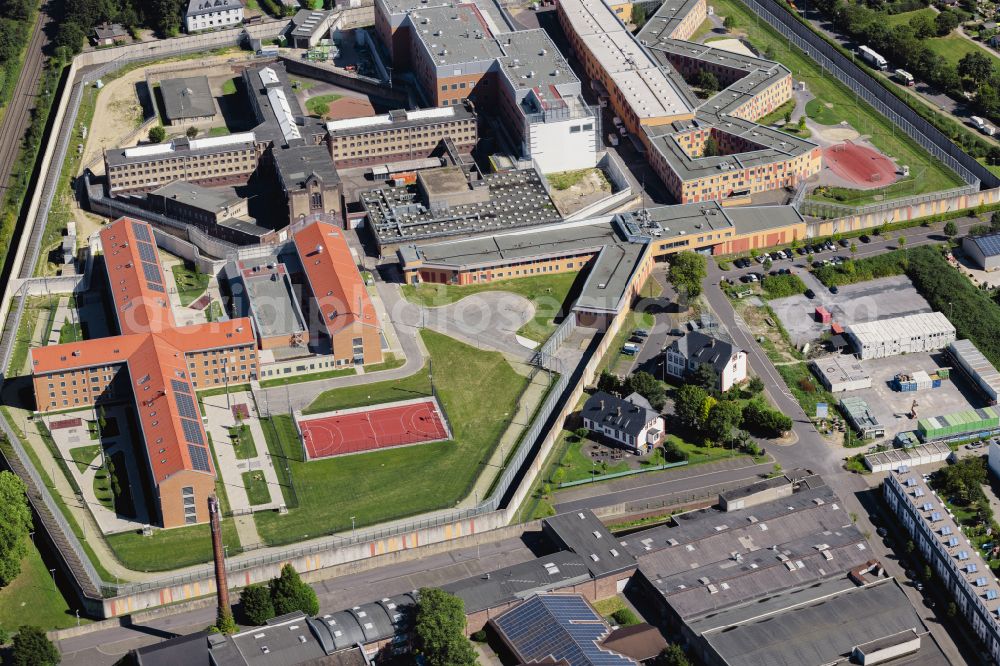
x,y
333,277
153,348
135,277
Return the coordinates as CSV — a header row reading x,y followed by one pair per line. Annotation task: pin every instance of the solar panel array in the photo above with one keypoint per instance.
x,y
141,232
185,406
192,433
199,458
989,245
148,259
558,627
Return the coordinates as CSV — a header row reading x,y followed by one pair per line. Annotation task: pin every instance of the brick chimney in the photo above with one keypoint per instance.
x,y
222,586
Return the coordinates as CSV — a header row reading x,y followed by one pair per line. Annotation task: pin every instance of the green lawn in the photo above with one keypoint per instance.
x,y
320,104
954,47
892,20
806,388
394,483
414,386
298,379
83,456
229,87
214,311
256,485
778,114
217,131
32,598
932,175
242,442
190,283
567,179
547,292
173,548
703,29
389,362
70,332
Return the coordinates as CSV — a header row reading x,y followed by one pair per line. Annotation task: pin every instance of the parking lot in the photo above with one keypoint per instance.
x,y
855,303
892,407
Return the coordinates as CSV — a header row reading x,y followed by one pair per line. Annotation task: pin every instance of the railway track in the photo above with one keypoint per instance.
x,y
17,117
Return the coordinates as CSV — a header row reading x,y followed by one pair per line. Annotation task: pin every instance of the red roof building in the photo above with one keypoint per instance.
x,y
164,365
340,303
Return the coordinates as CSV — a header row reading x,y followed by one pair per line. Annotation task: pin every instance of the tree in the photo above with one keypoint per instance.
x,y
901,241
706,377
722,418
922,26
582,433
687,270
995,221
711,147
649,387
15,523
191,132
672,655
976,66
688,403
33,648
945,22
257,605
707,81
439,628
289,593
157,134
754,385
802,122
757,416
951,229
729,23
609,383
638,15
854,248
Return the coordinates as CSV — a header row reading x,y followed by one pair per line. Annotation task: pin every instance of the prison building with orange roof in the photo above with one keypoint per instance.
x,y
163,364
339,308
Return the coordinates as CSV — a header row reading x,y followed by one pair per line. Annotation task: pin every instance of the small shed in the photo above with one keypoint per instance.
x,y
823,315
836,329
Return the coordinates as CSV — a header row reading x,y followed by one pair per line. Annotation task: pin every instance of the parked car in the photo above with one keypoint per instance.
x,y
829,245
844,242
882,531
810,293
746,278
834,289
640,333
630,349
864,238
801,251
753,277
761,258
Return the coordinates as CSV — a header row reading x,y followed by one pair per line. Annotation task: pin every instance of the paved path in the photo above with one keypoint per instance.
x,y
660,486
59,319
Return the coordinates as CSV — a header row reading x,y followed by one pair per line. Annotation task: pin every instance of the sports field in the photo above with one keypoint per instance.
x,y
360,430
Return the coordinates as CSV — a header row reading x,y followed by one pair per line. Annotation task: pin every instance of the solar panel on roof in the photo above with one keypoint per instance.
x,y
141,232
989,245
156,286
192,433
146,252
152,271
199,458
179,386
185,405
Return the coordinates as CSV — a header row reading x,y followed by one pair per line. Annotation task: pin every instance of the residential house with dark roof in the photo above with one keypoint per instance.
x,y
627,421
688,353
109,34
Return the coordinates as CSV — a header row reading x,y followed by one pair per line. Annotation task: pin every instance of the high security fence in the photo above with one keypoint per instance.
x,y
830,210
874,93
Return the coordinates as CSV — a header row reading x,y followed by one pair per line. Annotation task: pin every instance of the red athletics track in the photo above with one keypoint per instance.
x,y
377,428
864,167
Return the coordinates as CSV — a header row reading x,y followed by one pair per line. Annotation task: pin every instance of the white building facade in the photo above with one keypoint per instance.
x,y
213,14
695,349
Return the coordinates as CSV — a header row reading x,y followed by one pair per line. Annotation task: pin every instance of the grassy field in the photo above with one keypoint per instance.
x,y
394,483
892,20
70,332
933,176
389,362
414,386
190,283
83,456
214,311
242,442
320,104
32,598
298,379
173,548
547,292
954,47
257,492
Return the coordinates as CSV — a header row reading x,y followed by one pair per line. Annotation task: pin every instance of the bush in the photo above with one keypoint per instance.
x,y
862,270
33,648
479,636
673,452
257,605
625,617
759,417
289,593
780,286
157,134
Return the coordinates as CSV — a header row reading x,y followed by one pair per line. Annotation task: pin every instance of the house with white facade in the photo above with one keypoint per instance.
x,y
695,349
629,421
213,14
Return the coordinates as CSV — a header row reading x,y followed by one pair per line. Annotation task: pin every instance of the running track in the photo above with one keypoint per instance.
x,y
379,428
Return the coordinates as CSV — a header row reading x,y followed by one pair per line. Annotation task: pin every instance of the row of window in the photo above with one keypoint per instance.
x,y
186,160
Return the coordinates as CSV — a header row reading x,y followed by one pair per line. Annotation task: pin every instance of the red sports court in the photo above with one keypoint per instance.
x,y
368,429
864,167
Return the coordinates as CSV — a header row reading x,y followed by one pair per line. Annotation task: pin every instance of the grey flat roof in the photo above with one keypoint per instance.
x,y
585,535
520,581
187,97
453,35
307,21
753,488
213,199
283,638
822,632
711,216
531,60
399,119
666,19
517,199
275,311
609,277
296,163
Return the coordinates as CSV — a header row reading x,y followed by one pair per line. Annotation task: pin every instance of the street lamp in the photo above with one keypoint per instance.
x,y
352,527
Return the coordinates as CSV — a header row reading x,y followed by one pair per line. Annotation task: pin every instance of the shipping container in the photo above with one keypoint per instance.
x,y
977,367
958,424
823,315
